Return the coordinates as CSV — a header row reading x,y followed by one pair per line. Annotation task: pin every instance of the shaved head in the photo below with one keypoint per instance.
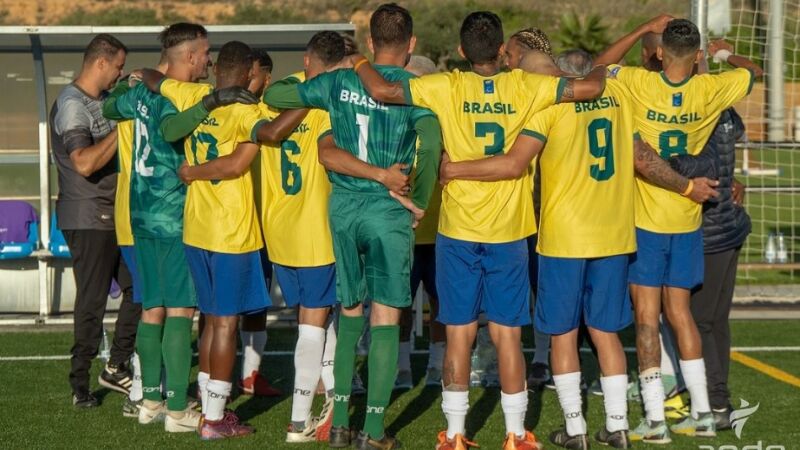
x,y
420,65
535,61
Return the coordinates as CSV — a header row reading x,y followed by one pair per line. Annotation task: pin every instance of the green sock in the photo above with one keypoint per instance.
x,y
176,348
344,362
148,345
382,362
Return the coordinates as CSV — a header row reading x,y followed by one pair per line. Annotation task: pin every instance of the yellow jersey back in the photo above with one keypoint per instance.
x,y
122,198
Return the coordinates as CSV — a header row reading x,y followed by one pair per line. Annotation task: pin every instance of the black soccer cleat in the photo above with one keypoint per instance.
x,y
617,439
340,437
364,442
84,400
117,378
563,439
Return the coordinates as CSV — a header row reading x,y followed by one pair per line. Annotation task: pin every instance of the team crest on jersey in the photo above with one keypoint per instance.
x,y
488,86
612,73
677,99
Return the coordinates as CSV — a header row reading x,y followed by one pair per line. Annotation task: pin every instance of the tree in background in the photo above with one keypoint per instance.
x,y
590,34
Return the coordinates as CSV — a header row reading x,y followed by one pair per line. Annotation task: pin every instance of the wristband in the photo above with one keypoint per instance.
x,y
722,55
358,64
689,189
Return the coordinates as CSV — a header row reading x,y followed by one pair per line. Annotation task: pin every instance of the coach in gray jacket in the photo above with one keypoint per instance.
x,y
84,146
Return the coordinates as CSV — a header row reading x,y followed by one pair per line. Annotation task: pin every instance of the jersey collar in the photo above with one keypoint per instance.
x,y
670,83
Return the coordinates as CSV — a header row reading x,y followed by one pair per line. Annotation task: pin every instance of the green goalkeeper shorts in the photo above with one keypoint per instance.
x,y
373,242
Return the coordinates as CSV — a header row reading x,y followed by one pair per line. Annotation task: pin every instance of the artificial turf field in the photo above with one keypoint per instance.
x,y
36,410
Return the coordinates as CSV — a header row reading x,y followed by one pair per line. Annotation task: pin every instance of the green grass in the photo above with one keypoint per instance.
x,y
34,398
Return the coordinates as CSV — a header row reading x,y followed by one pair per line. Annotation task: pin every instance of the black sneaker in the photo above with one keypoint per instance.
x,y
117,378
722,418
364,442
538,375
617,439
562,439
84,400
340,437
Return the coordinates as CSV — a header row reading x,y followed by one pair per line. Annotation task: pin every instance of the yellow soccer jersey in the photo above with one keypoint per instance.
x,y
122,199
587,176
295,191
676,119
219,215
480,117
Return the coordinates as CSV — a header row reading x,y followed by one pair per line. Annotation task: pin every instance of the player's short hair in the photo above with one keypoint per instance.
x,y
576,62
263,58
681,37
328,46
103,46
391,25
235,58
420,65
481,37
350,45
178,33
534,39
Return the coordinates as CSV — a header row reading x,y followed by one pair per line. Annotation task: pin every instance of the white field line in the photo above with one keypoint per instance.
x,y
415,352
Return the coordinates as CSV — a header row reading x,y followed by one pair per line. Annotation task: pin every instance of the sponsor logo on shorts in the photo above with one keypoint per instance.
x,y
375,409
303,392
341,398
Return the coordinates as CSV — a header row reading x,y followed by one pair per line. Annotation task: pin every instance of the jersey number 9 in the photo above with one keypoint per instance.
x,y
601,146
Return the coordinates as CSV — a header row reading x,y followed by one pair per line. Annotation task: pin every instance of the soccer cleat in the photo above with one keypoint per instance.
x,y
131,408
459,442
703,426
84,400
325,420
527,442
538,375
228,427
116,377
617,439
151,412
722,418
562,439
257,385
675,408
596,388
404,380
340,437
364,442
433,377
182,422
357,388
655,432
308,433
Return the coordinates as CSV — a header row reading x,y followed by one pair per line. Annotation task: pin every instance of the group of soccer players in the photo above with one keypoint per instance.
x,y
332,195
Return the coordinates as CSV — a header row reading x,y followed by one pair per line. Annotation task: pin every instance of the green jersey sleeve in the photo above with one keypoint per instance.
x,y
316,92
119,97
429,154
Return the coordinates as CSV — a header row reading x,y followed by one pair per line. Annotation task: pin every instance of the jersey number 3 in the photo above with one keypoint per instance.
x,y
601,146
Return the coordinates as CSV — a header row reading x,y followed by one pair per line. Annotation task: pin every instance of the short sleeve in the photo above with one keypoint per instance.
x,y
182,94
429,91
325,127
539,125
730,87
543,90
316,92
73,123
250,119
623,73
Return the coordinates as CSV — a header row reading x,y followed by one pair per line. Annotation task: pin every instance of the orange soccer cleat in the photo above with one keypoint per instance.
x,y
459,442
527,442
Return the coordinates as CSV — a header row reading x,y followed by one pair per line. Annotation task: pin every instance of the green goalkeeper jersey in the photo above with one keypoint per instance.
x,y
377,134
157,194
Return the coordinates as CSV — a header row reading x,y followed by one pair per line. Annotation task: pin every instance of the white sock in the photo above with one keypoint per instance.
x,y
307,369
455,405
615,399
136,393
694,375
404,356
568,387
514,408
253,343
218,393
435,355
202,383
652,394
327,358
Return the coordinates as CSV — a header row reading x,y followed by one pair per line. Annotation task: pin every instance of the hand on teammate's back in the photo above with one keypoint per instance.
x,y
409,205
395,178
228,96
703,189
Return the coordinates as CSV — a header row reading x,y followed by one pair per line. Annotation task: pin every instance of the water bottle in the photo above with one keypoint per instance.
x,y
783,254
105,350
770,252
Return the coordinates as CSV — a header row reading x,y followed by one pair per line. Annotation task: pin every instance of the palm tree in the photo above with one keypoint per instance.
x,y
590,35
